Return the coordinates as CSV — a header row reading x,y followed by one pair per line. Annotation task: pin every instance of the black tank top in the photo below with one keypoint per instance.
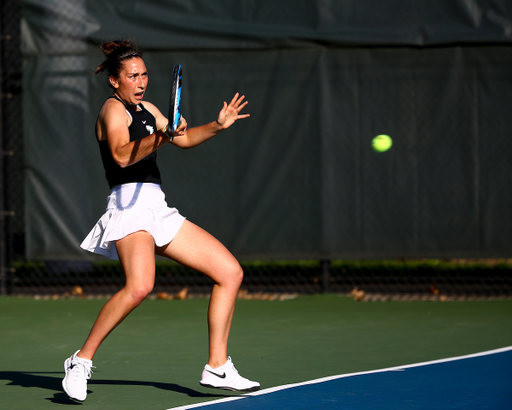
x,y
145,170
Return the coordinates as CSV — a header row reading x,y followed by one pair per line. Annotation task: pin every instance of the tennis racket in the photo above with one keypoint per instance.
x,y
175,99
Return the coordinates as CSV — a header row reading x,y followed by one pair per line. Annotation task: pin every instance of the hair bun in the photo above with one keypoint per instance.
x,y
116,52
112,46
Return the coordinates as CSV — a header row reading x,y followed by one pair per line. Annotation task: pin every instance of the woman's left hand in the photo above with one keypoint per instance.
x,y
230,113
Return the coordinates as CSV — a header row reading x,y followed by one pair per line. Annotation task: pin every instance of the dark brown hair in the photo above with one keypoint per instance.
x,y
116,52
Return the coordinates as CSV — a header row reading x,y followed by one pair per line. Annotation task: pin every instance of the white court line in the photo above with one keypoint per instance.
x,y
341,376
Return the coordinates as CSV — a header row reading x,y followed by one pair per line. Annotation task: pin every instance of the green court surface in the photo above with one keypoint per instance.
x,y
154,359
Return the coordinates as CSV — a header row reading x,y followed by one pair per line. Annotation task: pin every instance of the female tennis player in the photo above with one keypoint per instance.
x,y
138,223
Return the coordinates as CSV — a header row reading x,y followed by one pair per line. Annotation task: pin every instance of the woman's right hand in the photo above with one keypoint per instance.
x,y
181,128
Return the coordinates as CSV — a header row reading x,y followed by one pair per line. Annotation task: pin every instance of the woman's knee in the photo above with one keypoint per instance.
x,y
140,292
233,275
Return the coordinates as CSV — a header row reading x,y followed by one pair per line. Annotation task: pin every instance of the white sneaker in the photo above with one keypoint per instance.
x,y
78,371
226,377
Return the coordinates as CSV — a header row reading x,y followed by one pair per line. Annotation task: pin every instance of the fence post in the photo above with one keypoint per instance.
x,y
9,23
3,267
326,274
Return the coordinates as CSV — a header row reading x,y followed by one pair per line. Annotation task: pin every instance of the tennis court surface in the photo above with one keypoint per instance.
x,y
481,381
154,359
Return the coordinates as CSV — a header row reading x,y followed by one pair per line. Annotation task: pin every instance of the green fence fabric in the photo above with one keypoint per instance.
x,y
299,179
228,24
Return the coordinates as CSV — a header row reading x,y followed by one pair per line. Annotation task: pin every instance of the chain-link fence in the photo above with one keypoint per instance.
x,y
302,185
404,279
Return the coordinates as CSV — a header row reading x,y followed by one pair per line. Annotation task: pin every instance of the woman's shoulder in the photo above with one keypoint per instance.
x,y
112,113
111,105
150,107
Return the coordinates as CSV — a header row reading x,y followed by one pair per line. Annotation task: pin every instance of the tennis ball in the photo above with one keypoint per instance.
x,y
382,143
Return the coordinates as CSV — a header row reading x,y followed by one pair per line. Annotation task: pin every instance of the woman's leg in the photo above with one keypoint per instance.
x,y
197,249
137,255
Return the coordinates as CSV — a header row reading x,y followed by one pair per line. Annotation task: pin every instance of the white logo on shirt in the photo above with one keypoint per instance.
x,y
150,129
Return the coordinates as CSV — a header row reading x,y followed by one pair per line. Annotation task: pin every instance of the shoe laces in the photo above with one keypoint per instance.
x,y
231,368
77,369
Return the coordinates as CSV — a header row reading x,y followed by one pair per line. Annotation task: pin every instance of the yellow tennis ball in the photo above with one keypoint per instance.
x,y
382,143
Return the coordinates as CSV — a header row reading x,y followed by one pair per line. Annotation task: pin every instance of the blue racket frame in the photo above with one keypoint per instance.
x,y
175,98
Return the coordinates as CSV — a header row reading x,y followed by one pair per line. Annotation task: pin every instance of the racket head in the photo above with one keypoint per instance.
x,y
175,98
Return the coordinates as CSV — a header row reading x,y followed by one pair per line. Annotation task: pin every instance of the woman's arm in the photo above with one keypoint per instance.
x,y
113,123
188,138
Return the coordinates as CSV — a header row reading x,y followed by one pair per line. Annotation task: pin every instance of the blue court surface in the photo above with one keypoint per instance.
x,y
479,381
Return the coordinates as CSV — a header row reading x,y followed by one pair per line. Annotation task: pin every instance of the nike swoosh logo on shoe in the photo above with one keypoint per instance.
x,y
222,376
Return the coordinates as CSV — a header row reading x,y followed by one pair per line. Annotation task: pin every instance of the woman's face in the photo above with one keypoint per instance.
x,y
132,81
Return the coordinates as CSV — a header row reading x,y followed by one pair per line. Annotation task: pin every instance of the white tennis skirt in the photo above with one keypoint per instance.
x,y
130,208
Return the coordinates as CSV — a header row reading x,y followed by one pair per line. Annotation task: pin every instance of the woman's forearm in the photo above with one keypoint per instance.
x,y
197,135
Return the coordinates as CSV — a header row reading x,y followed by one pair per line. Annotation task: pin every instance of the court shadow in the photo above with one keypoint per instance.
x,y
39,380
62,398
159,385
36,379
48,381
